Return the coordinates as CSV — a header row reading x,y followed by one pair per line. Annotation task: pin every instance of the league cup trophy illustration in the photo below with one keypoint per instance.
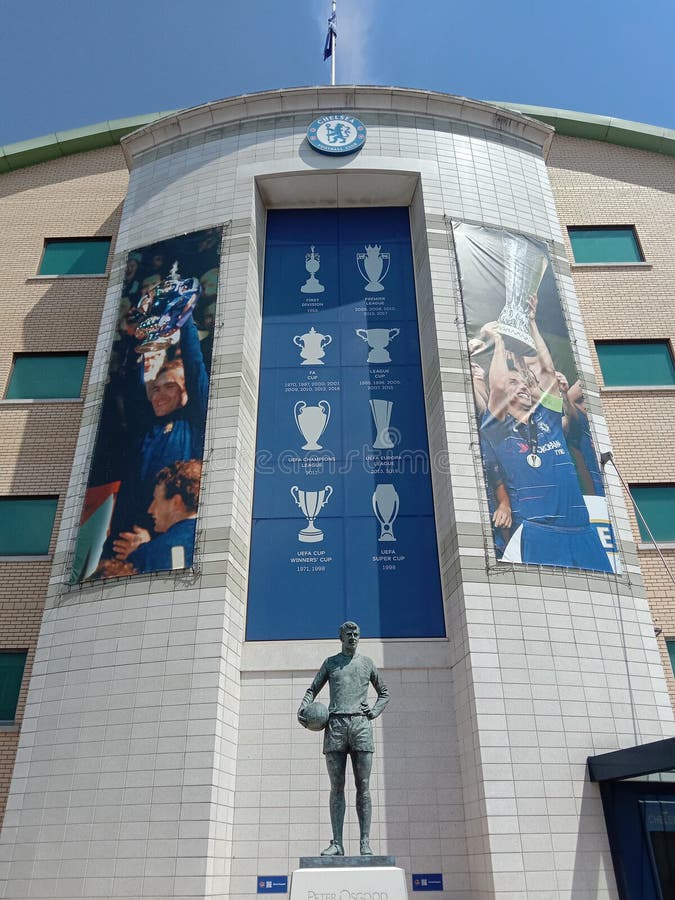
x,y
371,265
162,311
378,339
311,422
310,504
385,507
312,264
312,345
524,267
381,410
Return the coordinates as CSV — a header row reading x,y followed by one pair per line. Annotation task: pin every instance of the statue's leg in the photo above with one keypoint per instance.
x,y
362,763
336,763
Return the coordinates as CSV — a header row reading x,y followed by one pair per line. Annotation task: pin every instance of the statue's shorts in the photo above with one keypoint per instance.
x,y
345,733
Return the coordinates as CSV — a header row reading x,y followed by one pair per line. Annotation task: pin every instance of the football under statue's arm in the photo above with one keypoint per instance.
x,y
312,691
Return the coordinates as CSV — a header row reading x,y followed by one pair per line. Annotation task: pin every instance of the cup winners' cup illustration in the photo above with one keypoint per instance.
x,y
310,504
312,264
385,507
311,422
372,267
378,339
524,267
312,345
381,410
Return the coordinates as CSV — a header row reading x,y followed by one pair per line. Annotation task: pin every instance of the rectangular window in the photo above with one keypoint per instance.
x,y
46,376
656,502
607,244
12,663
670,644
26,525
635,363
75,256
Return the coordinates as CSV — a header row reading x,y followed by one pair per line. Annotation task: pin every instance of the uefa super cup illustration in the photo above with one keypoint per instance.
x,y
381,410
372,267
162,311
385,507
378,339
311,422
524,267
312,346
310,504
312,264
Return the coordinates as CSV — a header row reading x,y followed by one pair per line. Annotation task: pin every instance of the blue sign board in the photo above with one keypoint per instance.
x,y
428,882
272,884
336,134
343,516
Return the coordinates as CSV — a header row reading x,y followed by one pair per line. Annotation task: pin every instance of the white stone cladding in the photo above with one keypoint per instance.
x,y
159,754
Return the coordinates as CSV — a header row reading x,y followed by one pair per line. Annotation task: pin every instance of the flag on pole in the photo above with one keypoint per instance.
x,y
330,37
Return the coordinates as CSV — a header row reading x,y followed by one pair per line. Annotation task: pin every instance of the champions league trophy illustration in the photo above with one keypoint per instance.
x,y
310,504
312,264
524,267
378,339
371,265
385,507
311,422
161,312
381,410
312,345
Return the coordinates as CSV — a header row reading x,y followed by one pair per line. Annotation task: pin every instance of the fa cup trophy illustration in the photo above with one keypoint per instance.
x,y
312,264
312,345
372,267
311,422
310,504
524,267
385,507
378,339
381,410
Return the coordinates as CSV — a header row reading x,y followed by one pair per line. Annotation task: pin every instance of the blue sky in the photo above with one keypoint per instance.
x,y
68,63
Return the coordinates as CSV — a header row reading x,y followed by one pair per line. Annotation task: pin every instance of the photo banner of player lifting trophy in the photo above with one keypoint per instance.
x,y
545,490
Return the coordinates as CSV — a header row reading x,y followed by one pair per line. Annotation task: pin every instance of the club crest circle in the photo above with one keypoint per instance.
x,y
336,134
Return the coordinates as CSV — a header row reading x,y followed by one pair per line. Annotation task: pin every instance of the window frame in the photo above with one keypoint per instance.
x,y
75,240
645,541
42,555
39,353
625,227
634,341
5,723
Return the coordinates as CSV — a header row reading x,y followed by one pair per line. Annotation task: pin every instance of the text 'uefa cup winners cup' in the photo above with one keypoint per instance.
x,y
524,268
385,507
311,422
310,504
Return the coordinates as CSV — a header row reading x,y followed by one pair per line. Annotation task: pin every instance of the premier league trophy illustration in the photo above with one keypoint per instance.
x,y
385,507
524,267
312,264
381,410
311,422
312,345
310,504
378,339
372,267
161,312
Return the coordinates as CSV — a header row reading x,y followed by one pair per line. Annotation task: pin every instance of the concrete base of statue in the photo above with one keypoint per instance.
x,y
348,877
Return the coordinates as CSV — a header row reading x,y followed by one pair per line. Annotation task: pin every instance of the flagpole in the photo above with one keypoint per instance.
x,y
332,59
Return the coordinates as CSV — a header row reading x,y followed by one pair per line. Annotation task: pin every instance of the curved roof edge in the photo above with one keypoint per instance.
x,y
566,122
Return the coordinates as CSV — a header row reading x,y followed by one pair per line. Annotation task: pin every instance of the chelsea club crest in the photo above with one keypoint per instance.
x,y
336,133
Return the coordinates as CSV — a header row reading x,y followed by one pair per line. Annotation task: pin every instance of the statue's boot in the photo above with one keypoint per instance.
x,y
333,849
365,847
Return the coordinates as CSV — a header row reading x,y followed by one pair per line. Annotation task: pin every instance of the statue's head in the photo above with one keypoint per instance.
x,y
349,635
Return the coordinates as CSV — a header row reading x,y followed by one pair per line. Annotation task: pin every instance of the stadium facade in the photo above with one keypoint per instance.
x,y
150,746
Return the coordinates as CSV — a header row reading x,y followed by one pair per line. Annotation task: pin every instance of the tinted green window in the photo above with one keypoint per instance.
x,y
627,363
80,257
26,525
671,653
604,245
41,376
11,672
656,502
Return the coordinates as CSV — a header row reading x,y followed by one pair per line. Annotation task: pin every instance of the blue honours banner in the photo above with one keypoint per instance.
x,y
343,517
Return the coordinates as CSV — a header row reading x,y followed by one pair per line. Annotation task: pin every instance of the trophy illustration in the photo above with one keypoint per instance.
x,y
371,263
378,340
524,267
162,311
381,410
312,345
311,503
311,422
385,507
312,264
